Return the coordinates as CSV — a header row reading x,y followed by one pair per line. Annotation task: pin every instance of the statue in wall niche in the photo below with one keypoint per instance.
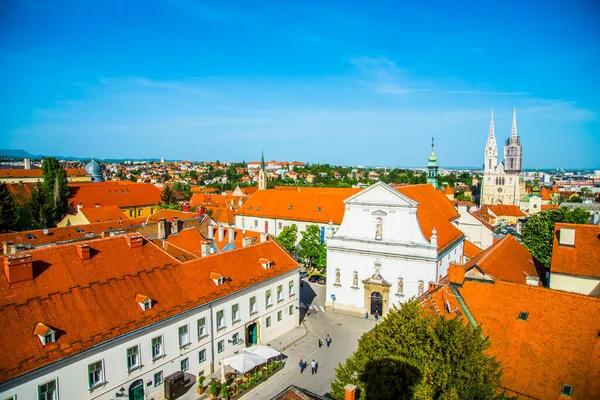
x,y
355,279
337,276
400,285
378,229
421,287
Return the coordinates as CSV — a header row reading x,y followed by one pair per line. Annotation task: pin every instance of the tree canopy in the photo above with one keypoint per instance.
x,y
167,196
8,210
538,231
310,247
288,238
413,356
56,191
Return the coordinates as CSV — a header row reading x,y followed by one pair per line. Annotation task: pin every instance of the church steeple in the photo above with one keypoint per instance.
x,y
262,175
491,149
513,132
513,153
262,160
432,167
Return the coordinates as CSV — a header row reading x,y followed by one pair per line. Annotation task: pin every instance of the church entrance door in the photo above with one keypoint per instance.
x,y
376,303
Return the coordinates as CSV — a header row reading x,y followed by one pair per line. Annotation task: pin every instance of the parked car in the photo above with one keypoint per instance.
x,y
313,278
303,274
321,280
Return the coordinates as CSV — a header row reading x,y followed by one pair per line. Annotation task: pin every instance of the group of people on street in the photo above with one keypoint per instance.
x,y
376,315
314,366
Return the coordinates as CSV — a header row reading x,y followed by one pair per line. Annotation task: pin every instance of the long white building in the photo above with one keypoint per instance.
x,y
114,317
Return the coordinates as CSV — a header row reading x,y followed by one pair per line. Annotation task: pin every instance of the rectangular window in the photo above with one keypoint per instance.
x,y
291,289
220,319
183,336
279,293
291,309
268,298
131,213
201,328
279,225
157,349
95,374
133,357
268,322
255,223
158,379
221,346
47,391
253,305
279,315
139,213
236,338
185,364
235,313
202,356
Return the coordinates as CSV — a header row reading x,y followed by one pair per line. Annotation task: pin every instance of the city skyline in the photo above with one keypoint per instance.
x,y
342,83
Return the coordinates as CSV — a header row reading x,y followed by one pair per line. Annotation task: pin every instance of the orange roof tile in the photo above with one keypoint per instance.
x,y
557,344
37,173
71,295
170,214
545,193
103,214
448,190
549,207
120,194
470,250
583,258
506,260
507,210
140,298
434,211
21,191
222,215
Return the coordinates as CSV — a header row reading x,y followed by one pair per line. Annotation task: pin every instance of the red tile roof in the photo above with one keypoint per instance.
x,y
70,296
506,210
470,250
103,214
37,173
170,214
557,344
506,260
583,258
222,215
546,193
448,190
319,205
120,194
21,191
434,211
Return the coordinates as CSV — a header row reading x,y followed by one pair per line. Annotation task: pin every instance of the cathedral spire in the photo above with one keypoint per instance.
x,y
491,135
432,167
513,132
262,160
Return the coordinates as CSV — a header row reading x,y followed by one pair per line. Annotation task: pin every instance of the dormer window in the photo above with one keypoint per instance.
x,y
567,390
45,334
249,208
318,209
143,301
217,278
257,208
290,207
265,262
523,315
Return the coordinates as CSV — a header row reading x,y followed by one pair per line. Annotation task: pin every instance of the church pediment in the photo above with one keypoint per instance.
x,y
376,279
381,194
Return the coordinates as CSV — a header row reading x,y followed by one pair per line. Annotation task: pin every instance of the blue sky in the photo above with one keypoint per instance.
x,y
344,82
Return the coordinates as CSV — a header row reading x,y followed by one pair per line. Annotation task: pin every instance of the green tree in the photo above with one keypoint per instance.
x,y
288,237
38,210
168,196
538,231
8,210
310,247
57,190
413,356
463,197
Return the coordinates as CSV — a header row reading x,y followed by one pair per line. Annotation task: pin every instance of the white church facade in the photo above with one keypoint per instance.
x,y
390,246
501,182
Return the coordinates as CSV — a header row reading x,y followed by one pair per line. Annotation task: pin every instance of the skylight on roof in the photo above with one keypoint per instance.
x,y
567,390
30,236
79,229
257,208
523,315
249,208
290,207
318,209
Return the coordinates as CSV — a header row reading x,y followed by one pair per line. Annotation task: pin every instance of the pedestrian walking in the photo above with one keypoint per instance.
x,y
313,367
328,340
366,315
302,365
316,367
376,316
320,343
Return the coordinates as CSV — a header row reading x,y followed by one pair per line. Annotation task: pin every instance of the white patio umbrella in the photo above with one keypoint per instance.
x,y
223,373
244,362
262,351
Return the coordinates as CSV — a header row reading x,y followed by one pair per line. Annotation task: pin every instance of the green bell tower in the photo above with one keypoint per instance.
x,y
432,168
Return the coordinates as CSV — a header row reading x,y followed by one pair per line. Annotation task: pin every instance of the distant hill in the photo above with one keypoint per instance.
x,y
18,153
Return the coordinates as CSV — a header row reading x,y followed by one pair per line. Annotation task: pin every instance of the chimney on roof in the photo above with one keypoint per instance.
x,y
134,240
263,237
247,241
349,392
27,162
566,237
79,206
200,211
205,248
7,247
163,228
211,231
231,234
18,268
83,250
175,225
456,274
221,233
